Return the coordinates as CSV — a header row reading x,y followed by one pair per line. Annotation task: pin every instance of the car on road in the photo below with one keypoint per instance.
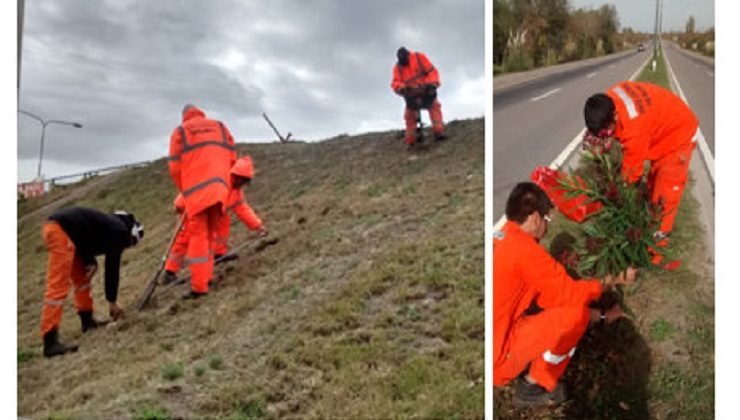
x,y
641,47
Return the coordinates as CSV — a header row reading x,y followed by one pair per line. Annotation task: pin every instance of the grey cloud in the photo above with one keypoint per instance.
x,y
318,68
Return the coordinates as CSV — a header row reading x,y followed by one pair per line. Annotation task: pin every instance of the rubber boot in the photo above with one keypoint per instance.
x,y
52,346
532,395
169,277
88,322
191,295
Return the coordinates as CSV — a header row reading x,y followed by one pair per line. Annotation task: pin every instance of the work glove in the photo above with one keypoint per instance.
x,y
115,311
263,232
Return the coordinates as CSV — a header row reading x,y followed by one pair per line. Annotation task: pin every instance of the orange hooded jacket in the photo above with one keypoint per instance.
x,y
652,123
202,152
237,203
419,72
522,272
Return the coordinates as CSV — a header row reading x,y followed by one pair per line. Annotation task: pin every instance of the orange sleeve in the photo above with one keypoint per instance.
x,y
174,163
396,83
556,288
246,214
432,76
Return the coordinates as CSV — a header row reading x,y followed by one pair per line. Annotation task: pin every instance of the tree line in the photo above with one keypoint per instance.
x,y
691,39
535,33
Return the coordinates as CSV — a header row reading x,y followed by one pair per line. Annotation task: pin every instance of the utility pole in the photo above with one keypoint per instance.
x,y
21,7
655,35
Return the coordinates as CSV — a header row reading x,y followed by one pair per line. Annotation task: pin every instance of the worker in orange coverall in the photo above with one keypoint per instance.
x,y
202,153
535,349
242,174
74,236
416,79
652,124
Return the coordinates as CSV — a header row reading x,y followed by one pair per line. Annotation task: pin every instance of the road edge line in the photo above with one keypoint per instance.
x,y
706,154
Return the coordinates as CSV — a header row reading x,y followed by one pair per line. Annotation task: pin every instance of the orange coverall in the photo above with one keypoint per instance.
x,y
63,265
655,125
419,72
202,152
523,271
237,203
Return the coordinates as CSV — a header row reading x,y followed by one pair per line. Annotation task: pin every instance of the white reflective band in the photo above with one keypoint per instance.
x,y
675,188
198,260
555,359
54,302
631,110
695,138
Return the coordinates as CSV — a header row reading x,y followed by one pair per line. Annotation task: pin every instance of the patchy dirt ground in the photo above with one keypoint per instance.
x,y
660,363
370,304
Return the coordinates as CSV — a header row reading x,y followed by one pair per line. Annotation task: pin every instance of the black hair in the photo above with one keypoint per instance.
x,y
598,112
525,199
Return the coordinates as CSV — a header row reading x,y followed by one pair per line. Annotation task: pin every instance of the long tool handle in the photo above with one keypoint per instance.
x,y
149,290
264,243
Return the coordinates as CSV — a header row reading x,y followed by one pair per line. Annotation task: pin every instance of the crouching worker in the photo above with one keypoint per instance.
x,y
74,237
535,349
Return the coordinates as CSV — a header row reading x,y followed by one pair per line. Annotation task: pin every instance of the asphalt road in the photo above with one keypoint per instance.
x,y
533,122
696,78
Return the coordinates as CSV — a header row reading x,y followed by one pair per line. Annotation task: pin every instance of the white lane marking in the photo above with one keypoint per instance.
x,y
546,94
590,75
711,74
703,147
565,154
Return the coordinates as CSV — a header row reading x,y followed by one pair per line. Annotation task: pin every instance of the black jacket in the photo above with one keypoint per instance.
x,y
96,233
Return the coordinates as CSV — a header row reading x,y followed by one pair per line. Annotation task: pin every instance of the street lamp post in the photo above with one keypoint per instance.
x,y
44,123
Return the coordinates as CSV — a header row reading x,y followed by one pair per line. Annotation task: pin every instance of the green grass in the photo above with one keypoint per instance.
x,y
25,355
661,330
252,410
658,77
216,362
199,370
172,371
151,413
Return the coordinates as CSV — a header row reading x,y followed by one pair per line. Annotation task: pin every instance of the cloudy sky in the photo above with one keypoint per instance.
x,y
124,69
640,14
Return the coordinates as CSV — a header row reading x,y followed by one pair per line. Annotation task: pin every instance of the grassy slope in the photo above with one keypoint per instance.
x,y
371,304
659,364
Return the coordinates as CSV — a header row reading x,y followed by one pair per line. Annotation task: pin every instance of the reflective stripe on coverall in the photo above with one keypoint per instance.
x,y
202,152
419,72
524,271
655,125
64,267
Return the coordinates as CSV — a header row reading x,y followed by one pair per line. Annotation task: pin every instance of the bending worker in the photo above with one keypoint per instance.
x,y
537,348
241,174
74,237
416,79
201,153
652,124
